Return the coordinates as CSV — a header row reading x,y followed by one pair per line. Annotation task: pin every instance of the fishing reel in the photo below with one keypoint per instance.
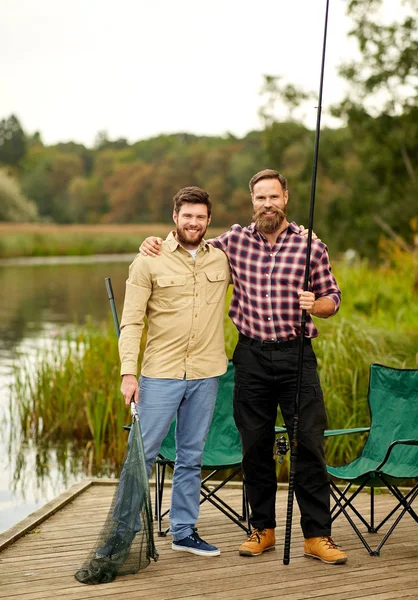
x,y
282,448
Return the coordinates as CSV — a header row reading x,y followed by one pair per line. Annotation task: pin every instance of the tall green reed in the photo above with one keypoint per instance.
x,y
74,392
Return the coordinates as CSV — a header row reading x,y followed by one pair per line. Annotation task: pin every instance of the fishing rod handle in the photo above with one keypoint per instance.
x,y
134,411
289,516
109,290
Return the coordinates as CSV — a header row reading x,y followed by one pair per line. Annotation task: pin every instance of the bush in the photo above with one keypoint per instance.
x,y
13,204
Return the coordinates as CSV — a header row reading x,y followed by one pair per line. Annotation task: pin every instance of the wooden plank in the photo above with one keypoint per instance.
x,y
39,516
41,565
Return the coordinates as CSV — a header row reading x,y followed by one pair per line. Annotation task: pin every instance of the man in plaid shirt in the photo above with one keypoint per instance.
x,y
267,262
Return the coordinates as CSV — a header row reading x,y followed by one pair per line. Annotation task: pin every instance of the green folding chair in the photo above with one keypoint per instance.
x,y
389,456
221,457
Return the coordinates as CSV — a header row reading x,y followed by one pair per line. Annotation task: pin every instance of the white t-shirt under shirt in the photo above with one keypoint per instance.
x,y
193,253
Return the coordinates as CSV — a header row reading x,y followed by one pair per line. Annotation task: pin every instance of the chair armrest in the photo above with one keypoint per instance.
x,y
331,432
391,447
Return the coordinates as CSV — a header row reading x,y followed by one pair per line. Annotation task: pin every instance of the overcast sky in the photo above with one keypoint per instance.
x,y
138,68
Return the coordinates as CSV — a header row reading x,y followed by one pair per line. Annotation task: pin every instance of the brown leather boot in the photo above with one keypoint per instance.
x,y
259,541
324,549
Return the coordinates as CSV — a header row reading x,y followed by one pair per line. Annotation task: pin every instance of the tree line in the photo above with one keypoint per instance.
x,y
367,172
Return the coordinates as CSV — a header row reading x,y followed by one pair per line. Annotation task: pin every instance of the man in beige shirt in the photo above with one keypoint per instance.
x,y
182,293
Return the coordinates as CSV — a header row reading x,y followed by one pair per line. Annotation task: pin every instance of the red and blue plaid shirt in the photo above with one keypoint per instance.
x,y
265,300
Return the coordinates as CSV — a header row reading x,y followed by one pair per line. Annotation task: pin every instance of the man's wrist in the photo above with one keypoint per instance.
x,y
128,367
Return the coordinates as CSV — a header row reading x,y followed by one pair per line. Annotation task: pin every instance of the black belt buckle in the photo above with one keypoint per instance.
x,y
269,345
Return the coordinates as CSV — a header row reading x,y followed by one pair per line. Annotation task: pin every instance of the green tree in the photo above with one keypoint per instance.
x,y
13,204
381,112
102,142
367,170
47,183
279,96
12,141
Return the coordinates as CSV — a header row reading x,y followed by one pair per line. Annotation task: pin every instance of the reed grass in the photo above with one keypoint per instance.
x,y
23,240
74,392
385,296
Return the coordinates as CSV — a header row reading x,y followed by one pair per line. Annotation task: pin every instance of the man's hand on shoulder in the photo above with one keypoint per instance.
x,y
151,246
304,232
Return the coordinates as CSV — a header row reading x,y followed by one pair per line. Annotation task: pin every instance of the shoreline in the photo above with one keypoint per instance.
x,y
66,259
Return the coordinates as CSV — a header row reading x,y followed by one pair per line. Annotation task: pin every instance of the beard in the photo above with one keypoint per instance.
x,y
185,238
269,224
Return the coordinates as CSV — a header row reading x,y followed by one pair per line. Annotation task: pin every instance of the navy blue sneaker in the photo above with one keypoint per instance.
x,y
194,544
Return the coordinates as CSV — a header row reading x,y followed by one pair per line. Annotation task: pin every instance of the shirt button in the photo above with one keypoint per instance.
x,y
268,319
172,282
192,336
271,254
197,295
267,274
267,295
195,315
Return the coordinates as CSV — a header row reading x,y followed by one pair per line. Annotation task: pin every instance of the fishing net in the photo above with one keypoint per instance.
x,y
126,541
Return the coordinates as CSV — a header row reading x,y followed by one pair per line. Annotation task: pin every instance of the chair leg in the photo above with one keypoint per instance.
x,y
342,501
159,489
406,509
372,528
158,497
343,510
402,501
246,504
211,496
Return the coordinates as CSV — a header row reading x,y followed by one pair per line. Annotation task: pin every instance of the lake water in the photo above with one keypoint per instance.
x,y
38,299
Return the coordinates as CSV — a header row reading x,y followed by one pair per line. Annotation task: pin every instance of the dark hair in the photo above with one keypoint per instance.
x,y
267,174
193,195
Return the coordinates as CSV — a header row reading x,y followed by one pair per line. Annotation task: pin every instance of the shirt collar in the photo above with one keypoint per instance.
x,y
292,227
173,243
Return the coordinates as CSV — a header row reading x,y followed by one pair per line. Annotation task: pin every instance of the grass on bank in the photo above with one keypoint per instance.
x,y
74,393
23,240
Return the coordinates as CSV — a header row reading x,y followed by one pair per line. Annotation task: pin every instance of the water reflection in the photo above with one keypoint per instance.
x,y
37,302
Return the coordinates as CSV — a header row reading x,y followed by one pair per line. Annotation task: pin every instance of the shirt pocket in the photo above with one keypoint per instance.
x,y
215,286
293,279
171,291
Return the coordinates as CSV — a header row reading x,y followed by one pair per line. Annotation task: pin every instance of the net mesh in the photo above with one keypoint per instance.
x,y
126,541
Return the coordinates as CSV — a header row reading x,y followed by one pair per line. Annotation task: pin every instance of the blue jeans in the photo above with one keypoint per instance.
x,y
192,403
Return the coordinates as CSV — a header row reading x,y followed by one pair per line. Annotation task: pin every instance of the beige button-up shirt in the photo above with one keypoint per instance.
x,y
184,301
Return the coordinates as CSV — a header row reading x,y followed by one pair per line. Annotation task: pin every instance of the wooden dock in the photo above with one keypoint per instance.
x,y
40,564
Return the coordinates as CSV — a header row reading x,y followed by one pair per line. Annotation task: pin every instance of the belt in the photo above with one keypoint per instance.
x,y
269,345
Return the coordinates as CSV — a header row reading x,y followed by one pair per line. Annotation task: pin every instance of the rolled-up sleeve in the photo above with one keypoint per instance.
x,y
137,293
323,281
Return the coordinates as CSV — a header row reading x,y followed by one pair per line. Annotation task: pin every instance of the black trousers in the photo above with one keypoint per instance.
x,y
264,380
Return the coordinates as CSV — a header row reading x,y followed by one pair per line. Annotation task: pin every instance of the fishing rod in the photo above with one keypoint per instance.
x,y
111,297
294,433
